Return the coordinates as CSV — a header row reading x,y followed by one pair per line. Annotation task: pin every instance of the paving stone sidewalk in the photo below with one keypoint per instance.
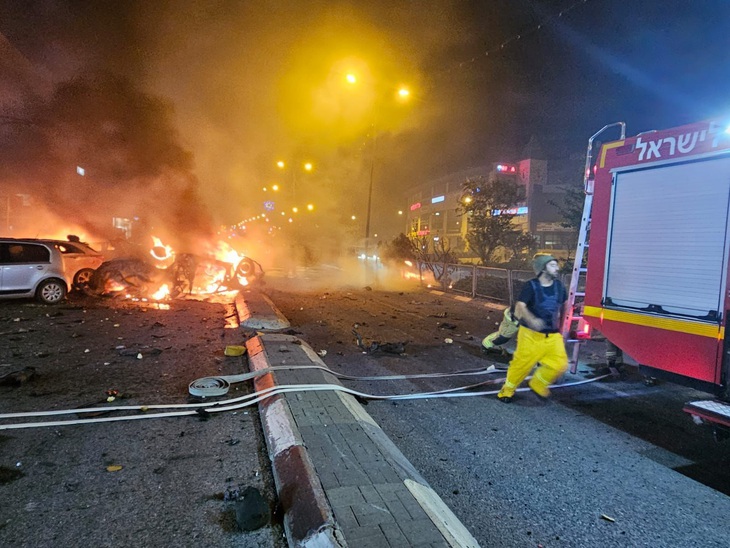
x,y
340,479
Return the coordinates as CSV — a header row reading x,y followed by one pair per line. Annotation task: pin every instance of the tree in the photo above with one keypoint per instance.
x,y
399,249
488,205
522,245
437,258
571,210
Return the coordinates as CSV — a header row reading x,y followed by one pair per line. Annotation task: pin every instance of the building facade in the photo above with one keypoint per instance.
x,y
433,209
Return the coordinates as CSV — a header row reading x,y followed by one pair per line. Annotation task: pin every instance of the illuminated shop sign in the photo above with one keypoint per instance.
x,y
513,211
415,206
506,168
438,199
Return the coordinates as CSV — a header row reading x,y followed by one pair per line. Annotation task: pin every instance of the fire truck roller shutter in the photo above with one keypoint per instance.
x,y
668,240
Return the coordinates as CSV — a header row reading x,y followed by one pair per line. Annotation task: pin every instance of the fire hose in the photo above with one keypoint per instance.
x,y
232,404
217,386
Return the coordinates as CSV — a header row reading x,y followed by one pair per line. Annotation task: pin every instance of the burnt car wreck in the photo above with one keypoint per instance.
x,y
187,275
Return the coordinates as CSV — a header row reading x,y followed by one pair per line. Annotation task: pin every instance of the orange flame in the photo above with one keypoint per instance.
x,y
161,293
160,251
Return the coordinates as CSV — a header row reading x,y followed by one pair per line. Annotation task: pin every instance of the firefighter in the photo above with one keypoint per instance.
x,y
506,332
540,308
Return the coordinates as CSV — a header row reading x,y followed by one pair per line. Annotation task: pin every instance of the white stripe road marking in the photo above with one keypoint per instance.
x,y
443,518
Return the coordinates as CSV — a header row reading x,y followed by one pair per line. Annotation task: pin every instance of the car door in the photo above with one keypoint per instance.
x,y
23,264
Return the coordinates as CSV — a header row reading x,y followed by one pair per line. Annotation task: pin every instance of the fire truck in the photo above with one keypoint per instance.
x,y
652,265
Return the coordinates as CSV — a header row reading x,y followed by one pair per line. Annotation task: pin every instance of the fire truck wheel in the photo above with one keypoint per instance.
x,y
82,278
51,291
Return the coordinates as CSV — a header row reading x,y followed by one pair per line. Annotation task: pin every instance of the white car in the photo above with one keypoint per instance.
x,y
44,269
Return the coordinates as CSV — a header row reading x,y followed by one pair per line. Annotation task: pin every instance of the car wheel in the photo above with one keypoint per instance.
x,y
245,267
82,278
51,291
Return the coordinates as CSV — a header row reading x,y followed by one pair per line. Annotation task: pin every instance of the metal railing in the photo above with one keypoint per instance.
x,y
495,284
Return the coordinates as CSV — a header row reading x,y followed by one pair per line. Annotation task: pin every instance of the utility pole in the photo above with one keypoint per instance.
x,y
370,193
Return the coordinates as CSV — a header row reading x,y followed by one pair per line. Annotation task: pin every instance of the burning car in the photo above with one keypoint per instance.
x,y
188,274
197,274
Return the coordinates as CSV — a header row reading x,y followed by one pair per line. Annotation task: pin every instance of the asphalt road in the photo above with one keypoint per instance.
x,y
605,464
160,482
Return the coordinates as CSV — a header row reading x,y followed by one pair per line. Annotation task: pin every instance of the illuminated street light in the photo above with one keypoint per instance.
x,y
310,207
404,93
295,210
306,166
275,187
351,78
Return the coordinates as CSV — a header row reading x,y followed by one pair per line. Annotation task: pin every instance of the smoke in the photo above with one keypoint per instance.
x,y
100,148
179,111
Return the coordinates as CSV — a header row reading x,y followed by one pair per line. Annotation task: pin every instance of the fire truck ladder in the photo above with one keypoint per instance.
x,y
573,324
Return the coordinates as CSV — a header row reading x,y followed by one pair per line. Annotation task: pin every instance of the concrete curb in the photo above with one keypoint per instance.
x,y
256,311
308,517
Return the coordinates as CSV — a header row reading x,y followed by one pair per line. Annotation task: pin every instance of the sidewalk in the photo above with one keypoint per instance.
x,y
341,481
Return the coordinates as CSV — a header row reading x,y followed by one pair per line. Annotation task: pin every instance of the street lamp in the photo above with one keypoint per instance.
x,y
306,166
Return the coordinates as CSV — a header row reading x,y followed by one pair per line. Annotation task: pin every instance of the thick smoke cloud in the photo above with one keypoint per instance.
x,y
126,142
262,80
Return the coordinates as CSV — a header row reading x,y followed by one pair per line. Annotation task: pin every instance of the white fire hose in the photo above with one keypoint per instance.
x,y
232,404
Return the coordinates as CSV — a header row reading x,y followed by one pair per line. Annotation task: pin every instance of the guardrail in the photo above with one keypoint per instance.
x,y
497,284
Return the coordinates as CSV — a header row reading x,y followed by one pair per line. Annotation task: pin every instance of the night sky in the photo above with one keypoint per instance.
x,y
206,96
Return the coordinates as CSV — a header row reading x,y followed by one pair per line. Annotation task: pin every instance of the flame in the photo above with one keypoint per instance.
x,y
113,286
160,251
224,252
161,293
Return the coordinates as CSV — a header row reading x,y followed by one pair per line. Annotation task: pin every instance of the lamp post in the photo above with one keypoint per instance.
x,y
403,94
370,193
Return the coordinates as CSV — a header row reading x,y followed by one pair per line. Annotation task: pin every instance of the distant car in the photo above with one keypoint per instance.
x,y
44,269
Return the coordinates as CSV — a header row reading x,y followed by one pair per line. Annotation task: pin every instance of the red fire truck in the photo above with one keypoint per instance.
x,y
657,277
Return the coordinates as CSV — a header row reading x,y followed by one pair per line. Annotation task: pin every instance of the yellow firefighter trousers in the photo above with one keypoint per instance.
x,y
534,347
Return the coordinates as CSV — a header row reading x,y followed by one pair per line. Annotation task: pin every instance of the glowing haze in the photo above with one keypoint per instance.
x,y
179,111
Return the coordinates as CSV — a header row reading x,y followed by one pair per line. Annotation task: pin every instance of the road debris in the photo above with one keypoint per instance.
x,y
138,352
388,347
234,350
252,510
18,378
608,518
9,474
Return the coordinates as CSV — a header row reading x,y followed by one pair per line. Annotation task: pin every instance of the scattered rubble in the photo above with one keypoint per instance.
x,y
375,346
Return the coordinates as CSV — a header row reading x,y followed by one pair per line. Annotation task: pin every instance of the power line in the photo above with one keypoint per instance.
x,y
516,37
